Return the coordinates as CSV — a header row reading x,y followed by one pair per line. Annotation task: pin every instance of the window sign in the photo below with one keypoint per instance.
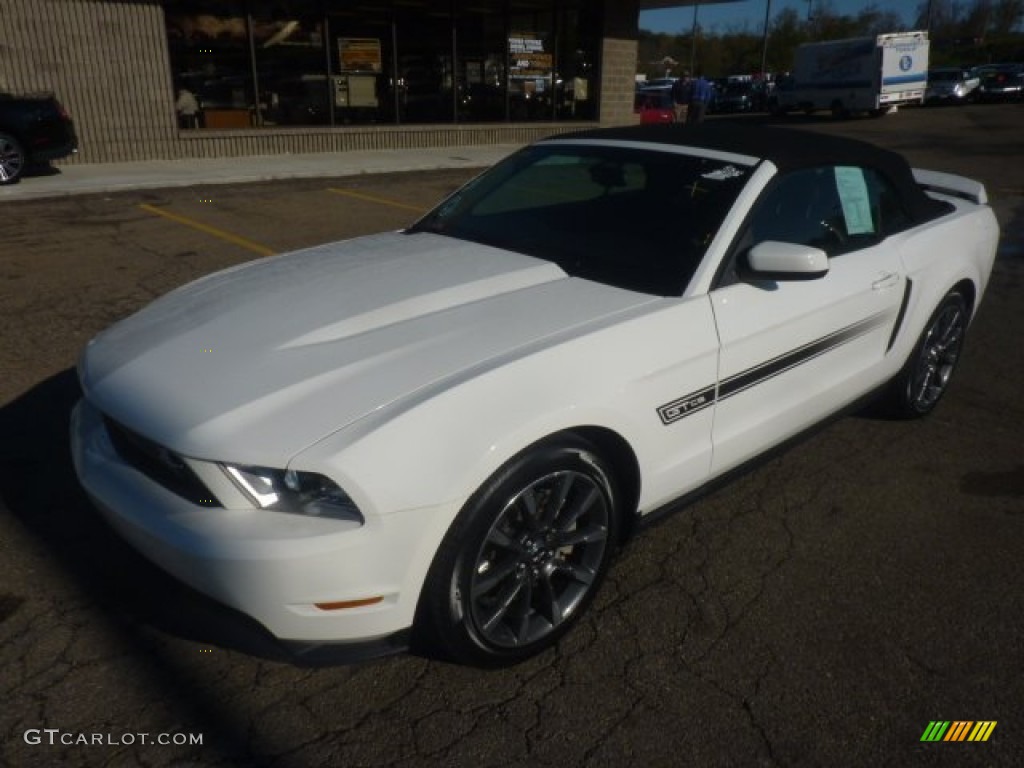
x,y
528,56
359,54
853,195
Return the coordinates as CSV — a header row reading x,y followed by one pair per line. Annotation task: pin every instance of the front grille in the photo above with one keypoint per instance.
x,y
159,464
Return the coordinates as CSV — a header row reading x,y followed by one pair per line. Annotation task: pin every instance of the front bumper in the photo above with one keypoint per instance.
x,y
273,566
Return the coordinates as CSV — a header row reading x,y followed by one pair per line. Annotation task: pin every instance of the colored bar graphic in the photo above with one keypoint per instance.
x,y
935,731
958,730
982,730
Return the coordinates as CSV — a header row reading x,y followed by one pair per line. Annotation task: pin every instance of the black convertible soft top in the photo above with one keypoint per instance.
x,y
786,148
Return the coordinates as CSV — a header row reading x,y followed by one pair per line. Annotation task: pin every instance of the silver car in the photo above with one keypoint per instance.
x,y
951,85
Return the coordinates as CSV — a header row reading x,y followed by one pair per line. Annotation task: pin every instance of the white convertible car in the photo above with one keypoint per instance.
x,y
439,436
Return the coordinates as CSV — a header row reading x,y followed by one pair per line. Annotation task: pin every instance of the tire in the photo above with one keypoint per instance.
x,y
925,377
523,558
12,159
838,110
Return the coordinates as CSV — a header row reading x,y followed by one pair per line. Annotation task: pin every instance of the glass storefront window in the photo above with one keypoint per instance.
x,y
361,65
270,63
576,76
213,78
426,75
482,68
288,51
531,60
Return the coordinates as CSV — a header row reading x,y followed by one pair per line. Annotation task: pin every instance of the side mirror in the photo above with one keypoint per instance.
x,y
774,260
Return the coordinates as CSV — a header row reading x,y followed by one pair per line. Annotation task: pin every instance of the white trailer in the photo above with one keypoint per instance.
x,y
864,74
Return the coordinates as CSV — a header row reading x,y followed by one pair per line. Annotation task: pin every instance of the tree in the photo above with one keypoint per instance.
x,y
1007,15
976,20
962,31
874,21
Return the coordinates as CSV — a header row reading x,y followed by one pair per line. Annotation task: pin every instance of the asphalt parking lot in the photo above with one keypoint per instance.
x,y
821,610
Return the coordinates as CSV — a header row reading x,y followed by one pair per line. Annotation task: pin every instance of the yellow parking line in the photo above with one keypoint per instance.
x,y
381,200
262,250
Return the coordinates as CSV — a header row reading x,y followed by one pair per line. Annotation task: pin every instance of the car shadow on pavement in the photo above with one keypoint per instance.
x,y
40,169
39,487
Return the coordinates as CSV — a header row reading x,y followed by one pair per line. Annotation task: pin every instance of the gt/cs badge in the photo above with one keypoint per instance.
x,y
684,406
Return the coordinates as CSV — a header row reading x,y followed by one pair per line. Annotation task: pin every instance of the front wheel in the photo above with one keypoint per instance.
x,y
523,558
927,373
12,159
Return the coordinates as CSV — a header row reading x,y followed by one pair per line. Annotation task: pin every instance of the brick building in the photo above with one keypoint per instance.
x,y
166,79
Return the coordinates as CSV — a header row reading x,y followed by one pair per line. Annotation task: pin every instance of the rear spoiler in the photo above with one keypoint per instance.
x,y
951,184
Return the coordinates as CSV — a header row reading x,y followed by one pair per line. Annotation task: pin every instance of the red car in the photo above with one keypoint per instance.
x,y
655,105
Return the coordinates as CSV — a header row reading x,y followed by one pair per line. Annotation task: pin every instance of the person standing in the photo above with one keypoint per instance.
x,y
701,92
187,107
681,96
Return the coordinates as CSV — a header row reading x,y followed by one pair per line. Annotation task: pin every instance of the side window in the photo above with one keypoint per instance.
x,y
889,214
836,208
792,208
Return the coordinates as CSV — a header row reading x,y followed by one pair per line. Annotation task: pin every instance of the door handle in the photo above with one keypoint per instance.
x,y
885,280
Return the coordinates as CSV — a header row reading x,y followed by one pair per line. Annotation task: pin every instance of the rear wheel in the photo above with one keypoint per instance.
x,y
927,373
523,559
12,159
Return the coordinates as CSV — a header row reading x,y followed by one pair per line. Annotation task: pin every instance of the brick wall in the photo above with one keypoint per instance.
x,y
618,61
107,63
618,77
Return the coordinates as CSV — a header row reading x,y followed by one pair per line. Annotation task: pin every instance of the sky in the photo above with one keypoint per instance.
x,y
725,17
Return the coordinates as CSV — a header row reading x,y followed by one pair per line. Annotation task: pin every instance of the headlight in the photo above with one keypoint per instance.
x,y
287,490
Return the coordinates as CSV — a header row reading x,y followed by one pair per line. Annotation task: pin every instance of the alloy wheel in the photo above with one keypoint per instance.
x,y
937,357
539,559
12,159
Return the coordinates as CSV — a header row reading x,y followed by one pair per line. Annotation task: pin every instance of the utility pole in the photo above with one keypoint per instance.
x,y
764,39
693,39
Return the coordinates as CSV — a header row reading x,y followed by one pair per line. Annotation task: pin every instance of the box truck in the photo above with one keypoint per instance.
x,y
864,74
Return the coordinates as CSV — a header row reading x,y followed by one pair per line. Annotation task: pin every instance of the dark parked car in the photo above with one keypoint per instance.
x,y
1002,82
740,96
34,128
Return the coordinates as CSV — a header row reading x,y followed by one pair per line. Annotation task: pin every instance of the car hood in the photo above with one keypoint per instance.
x,y
255,363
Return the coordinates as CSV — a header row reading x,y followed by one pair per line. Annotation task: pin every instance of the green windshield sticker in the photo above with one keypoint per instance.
x,y
853,194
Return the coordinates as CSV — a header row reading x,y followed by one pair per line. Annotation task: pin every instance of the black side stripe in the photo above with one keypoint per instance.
x,y
772,368
740,382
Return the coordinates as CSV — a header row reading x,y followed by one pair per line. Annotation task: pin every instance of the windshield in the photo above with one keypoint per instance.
x,y
632,218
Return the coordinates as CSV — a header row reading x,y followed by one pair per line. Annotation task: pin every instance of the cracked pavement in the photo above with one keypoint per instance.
x,y
818,610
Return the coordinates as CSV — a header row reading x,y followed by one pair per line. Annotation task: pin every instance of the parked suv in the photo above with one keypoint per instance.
x,y
34,128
